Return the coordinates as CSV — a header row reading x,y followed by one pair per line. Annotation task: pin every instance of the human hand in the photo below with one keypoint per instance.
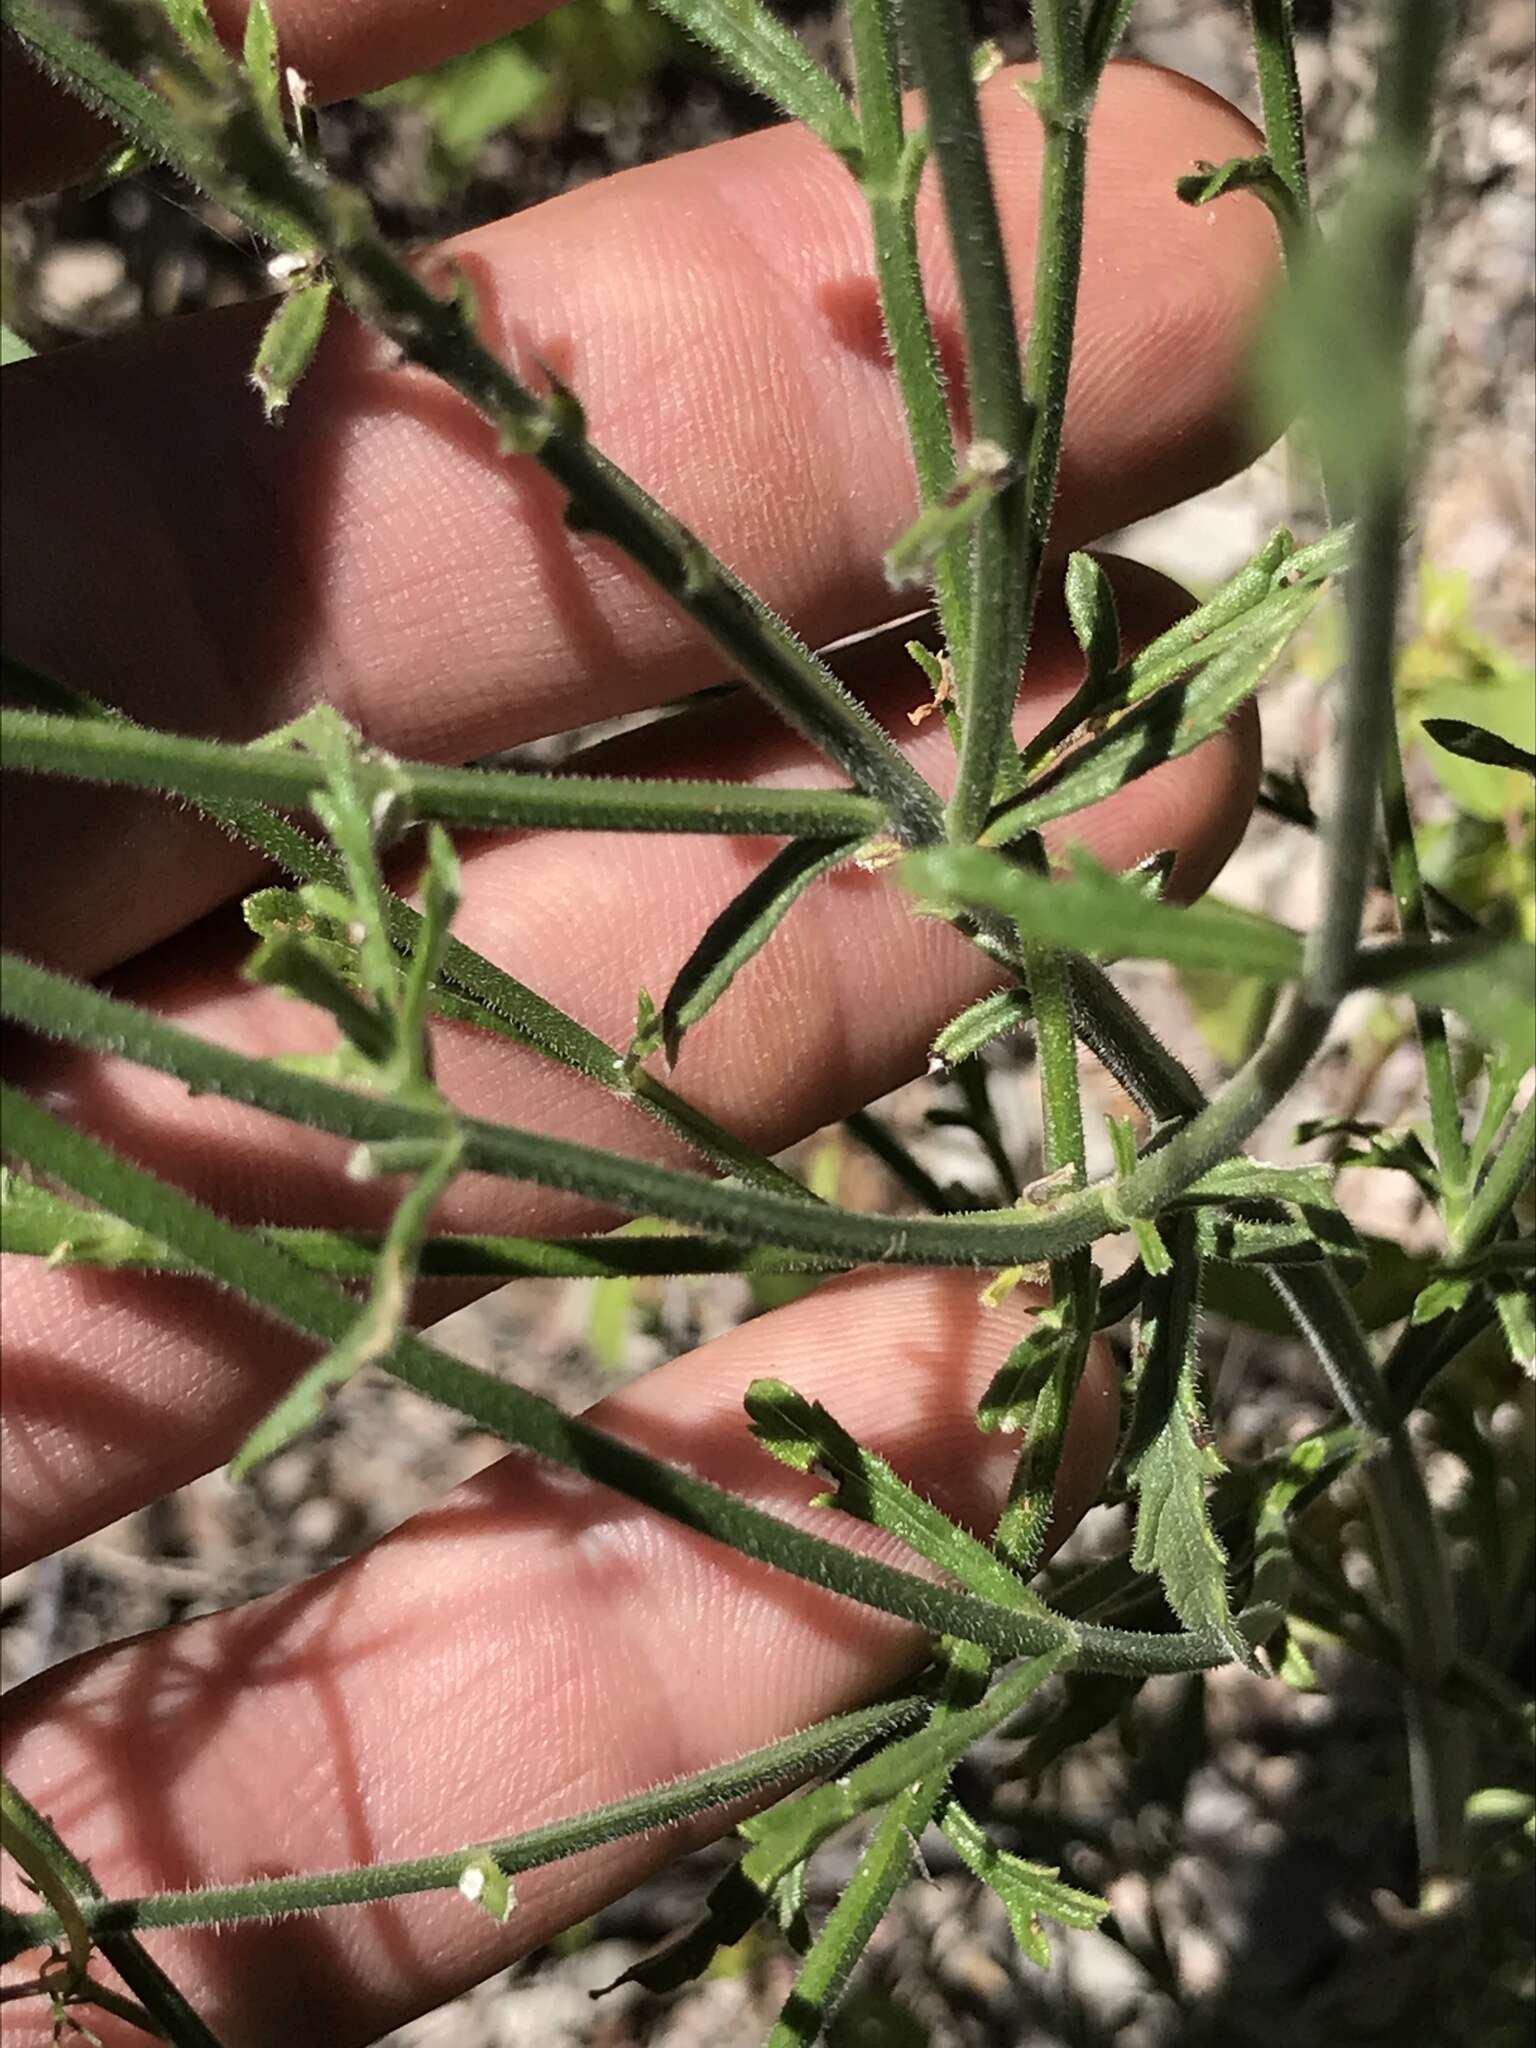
x,y
534,1646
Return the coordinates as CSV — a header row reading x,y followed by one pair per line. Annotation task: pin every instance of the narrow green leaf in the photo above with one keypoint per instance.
x,y
1253,1180
1150,1248
1490,983
35,1221
1501,1803
1445,1293
1234,610
1095,912
498,1003
441,890
1401,1151
12,348
192,23
1476,743
1278,1234
114,167
1008,1405
732,1908
773,61
916,1773
1031,1892
610,1320
1095,620
373,1335
259,56
741,930
1026,1517
288,345
1231,1011
302,968
994,1017
142,116
1148,730
1515,1300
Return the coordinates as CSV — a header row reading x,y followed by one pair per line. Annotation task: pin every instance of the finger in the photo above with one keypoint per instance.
x,y
718,315
48,139
536,1647
111,1397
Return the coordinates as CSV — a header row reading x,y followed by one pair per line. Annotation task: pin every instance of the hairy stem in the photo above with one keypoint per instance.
x,y
112,751
159,1997
1274,47
261,1272
820,1748
938,35
890,158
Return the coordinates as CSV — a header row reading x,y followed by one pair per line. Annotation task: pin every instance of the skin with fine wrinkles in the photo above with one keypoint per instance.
x,y
720,324
535,1645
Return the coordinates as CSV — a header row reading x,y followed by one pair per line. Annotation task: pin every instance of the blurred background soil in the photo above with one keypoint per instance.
x,y
1250,1837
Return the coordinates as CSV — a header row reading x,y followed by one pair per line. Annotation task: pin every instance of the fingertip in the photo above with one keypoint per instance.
x,y
902,1360
1159,404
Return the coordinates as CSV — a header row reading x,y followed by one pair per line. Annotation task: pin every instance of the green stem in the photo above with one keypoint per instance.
x,y
1323,1312
1285,132
887,1861
1439,1735
86,1017
113,751
603,499
1021,1527
881,1871
773,61
1063,99
1506,1178
1104,24
1023,415
1274,48
899,1160
143,1976
1411,1546
1413,918
138,114
1020,413
815,1750
938,35
29,1844
889,160
1419,1581
1365,727
40,1225
510,1006
66,1010
262,1273
245,167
